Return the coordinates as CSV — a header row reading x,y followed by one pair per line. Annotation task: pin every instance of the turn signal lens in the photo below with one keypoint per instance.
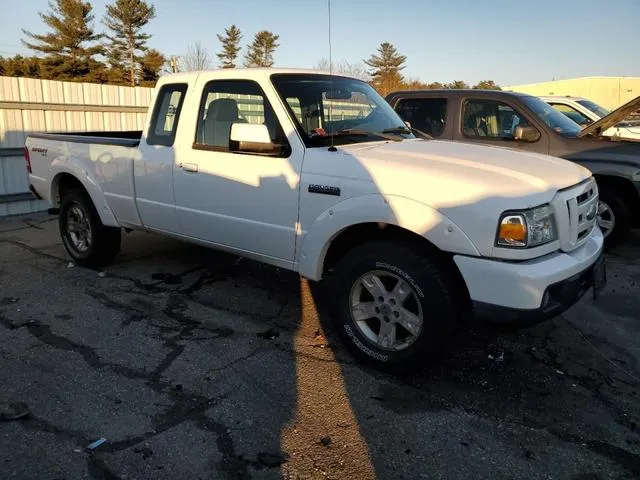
x,y
513,231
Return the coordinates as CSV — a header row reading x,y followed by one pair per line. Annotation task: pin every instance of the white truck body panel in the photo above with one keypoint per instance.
x,y
452,194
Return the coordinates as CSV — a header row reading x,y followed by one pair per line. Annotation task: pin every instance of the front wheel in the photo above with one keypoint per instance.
x,y
85,238
395,307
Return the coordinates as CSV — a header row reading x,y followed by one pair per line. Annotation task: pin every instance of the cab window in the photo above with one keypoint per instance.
x,y
166,113
490,118
426,114
225,102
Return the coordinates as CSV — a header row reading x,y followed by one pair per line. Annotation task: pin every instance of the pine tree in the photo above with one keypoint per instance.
x,y
260,52
150,67
71,45
230,46
125,19
385,68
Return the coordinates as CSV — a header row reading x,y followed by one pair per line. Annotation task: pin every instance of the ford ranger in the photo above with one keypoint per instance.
x,y
317,174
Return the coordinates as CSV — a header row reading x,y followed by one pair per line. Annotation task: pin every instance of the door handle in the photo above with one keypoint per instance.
x,y
189,167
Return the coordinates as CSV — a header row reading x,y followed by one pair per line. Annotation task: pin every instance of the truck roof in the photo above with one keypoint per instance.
x,y
455,92
249,73
560,97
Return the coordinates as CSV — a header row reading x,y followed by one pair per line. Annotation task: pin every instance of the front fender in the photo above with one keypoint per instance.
x,y
61,166
377,208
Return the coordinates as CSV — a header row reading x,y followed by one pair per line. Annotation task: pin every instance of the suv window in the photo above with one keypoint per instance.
x,y
426,114
572,113
166,112
225,102
490,118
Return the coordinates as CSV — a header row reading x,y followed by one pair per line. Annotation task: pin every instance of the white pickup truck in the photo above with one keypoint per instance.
x,y
317,174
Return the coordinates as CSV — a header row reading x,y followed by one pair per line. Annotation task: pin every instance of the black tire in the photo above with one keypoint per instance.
x,y
620,212
103,242
433,288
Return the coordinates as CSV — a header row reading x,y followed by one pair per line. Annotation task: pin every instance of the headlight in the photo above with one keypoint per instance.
x,y
527,228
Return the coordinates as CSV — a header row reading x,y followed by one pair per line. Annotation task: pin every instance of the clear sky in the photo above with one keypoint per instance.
x,y
508,41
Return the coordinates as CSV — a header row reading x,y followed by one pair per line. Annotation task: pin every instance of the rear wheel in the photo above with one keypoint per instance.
x,y
86,239
613,217
395,307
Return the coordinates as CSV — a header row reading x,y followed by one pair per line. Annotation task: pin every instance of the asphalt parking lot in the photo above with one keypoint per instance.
x,y
199,365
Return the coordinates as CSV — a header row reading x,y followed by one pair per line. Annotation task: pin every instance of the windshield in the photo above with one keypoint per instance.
x,y
552,117
347,109
594,107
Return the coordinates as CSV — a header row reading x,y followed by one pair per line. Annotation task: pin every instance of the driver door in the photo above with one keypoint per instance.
x,y
247,202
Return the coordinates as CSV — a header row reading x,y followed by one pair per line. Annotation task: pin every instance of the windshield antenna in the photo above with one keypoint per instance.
x,y
332,148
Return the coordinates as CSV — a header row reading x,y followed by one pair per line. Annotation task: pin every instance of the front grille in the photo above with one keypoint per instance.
x,y
582,206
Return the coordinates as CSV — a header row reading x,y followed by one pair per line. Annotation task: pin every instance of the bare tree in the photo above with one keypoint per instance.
x,y
356,70
196,58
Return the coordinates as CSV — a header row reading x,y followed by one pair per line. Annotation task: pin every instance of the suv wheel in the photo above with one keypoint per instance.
x,y
613,217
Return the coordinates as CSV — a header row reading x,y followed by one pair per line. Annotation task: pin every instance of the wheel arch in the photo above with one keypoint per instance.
x,y
64,181
626,190
372,217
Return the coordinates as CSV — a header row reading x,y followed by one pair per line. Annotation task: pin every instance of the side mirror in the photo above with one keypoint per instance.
x,y
408,124
526,134
253,138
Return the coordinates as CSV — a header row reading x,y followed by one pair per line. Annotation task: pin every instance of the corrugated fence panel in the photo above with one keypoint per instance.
x,y
53,92
16,122
14,176
92,94
11,129
94,121
30,90
76,121
9,89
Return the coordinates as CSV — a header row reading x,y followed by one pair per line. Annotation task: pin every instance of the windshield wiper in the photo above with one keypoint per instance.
x,y
403,129
356,132
400,129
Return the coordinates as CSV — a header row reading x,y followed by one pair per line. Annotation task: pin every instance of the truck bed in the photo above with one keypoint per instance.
x,y
128,138
102,161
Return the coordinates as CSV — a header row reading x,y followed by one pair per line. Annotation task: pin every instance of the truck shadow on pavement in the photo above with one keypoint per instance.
x,y
199,364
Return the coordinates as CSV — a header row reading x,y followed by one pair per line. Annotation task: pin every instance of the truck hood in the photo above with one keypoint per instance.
x,y
470,185
441,173
611,120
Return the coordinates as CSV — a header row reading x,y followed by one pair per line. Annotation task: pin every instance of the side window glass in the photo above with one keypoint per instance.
x,y
225,102
570,112
426,114
490,118
166,113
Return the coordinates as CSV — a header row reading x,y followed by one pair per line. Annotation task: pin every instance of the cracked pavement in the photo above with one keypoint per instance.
x,y
197,364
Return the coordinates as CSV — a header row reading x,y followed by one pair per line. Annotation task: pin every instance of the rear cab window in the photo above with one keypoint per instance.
x,y
166,113
425,114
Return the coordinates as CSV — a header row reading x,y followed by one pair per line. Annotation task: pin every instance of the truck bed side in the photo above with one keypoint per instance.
x,y
101,162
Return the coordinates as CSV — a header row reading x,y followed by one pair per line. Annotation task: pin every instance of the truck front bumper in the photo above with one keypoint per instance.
x,y
531,291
